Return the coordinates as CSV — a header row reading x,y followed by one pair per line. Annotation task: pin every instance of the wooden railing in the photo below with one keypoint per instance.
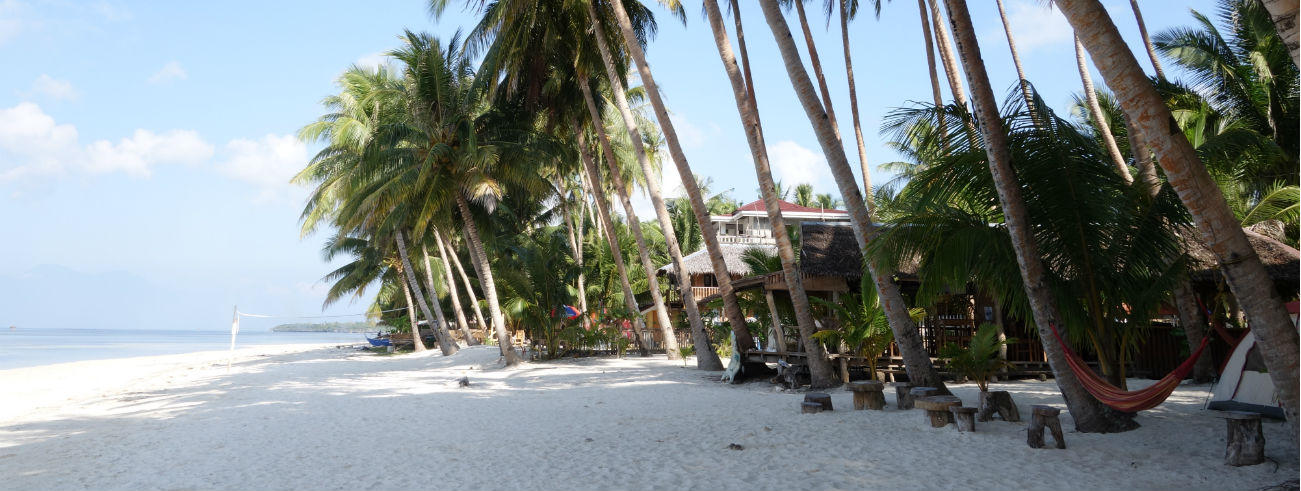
x,y
745,239
699,292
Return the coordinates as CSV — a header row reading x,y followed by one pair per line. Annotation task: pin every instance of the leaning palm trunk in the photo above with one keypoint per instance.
x,y
947,56
816,63
820,370
1016,58
485,278
1284,15
634,225
745,63
1099,119
916,360
1242,269
853,106
434,317
930,67
576,245
433,298
452,290
1147,41
709,236
1089,414
469,288
1193,323
653,186
589,166
411,309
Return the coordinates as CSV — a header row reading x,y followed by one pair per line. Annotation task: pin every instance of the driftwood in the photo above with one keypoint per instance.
x,y
868,394
964,417
903,398
997,402
1044,416
821,398
1246,442
937,408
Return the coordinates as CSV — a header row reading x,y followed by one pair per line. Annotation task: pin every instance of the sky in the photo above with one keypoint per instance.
x,y
146,147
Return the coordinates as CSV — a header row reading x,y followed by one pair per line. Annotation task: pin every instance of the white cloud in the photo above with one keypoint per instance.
x,y
144,149
53,88
793,164
373,60
31,143
169,72
689,135
1035,26
267,163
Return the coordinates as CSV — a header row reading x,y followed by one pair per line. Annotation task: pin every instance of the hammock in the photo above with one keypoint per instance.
x,y
1127,401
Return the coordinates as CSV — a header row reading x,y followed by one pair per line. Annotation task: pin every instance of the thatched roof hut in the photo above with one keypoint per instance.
x,y
829,249
698,262
1281,261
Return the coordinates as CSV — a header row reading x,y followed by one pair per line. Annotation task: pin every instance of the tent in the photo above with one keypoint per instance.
x,y
1244,383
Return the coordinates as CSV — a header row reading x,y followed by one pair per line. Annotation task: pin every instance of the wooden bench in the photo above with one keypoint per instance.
x,y
868,394
937,408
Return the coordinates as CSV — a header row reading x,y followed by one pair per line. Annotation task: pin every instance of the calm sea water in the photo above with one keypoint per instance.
x,y
33,347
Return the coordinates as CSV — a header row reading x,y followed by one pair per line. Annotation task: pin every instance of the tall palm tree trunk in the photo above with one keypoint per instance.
x,y
1241,268
816,62
1284,15
1147,41
820,370
745,64
433,299
469,288
455,299
1193,323
1100,119
411,309
1016,58
593,176
947,56
916,359
853,106
653,187
576,245
930,67
1089,414
708,232
485,278
634,225
435,317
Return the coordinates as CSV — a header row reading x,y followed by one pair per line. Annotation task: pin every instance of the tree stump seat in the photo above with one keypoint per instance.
x,y
810,407
997,402
902,395
1246,440
915,393
1044,416
868,394
822,399
937,408
964,417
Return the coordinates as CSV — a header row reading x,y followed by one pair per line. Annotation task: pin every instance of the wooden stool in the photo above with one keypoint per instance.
x,y
937,408
1246,440
965,417
867,394
820,398
902,397
1042,416
810,407
997,402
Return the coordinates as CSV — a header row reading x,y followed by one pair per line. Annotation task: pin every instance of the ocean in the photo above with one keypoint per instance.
x,y
31,347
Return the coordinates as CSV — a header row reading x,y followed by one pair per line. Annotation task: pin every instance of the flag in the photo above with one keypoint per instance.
x,y
571,312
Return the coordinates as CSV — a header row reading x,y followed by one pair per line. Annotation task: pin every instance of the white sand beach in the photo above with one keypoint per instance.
x,y
315,417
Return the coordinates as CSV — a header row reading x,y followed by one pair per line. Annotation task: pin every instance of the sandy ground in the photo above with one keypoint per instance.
x,y
295,417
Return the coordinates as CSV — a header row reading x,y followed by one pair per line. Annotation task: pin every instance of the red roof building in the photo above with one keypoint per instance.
x,y
750,225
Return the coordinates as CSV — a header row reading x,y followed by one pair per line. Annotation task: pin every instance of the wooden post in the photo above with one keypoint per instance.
x,y
903,398
1246,442
776,321
1044,416
965,417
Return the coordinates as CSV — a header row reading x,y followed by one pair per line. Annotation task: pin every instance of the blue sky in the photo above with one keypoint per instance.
x,y
146,147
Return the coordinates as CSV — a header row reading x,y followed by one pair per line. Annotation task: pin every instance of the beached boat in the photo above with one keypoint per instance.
x,y
379,341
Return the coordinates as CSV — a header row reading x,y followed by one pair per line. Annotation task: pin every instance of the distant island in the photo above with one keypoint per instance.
x,y
325,327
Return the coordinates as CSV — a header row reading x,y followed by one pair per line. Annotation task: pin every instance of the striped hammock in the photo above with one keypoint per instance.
x,y
1121,400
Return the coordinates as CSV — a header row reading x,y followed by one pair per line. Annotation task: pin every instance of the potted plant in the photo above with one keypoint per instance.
x,y
979,361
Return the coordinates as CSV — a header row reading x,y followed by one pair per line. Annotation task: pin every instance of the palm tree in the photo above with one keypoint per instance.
x,y
804,194
731,308
946,55
820,370
1099,119
827,202
1242,269
1284,14
1016,58
849,9
917,361
930,62
1089,414
454,297
1147,41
